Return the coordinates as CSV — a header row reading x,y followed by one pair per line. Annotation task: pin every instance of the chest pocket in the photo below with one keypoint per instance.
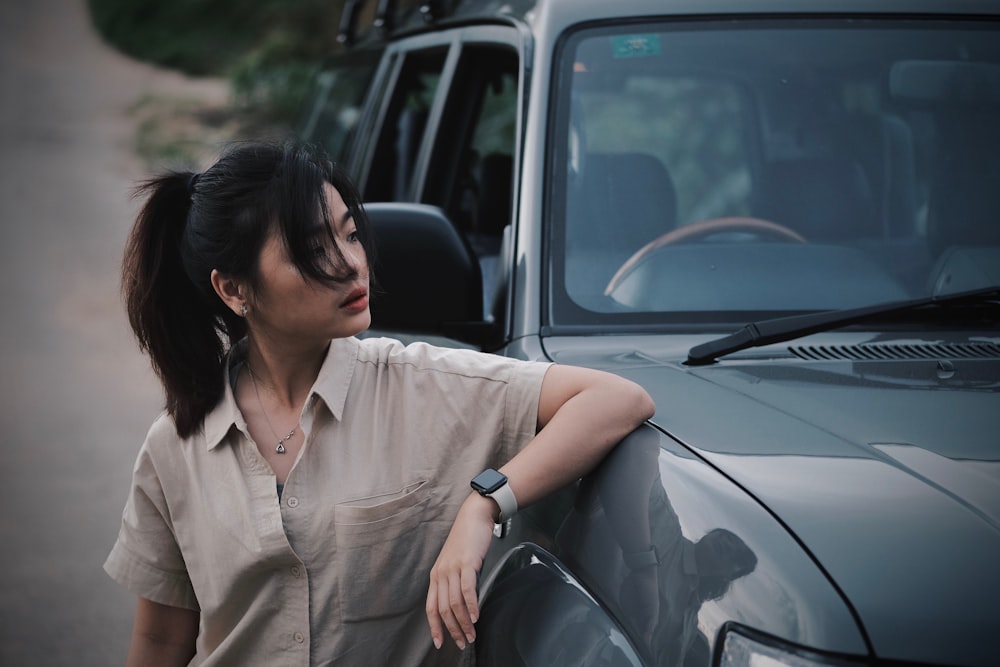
x,y
385,550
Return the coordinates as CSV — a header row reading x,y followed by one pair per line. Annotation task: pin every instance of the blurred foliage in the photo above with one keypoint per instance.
x,y
268,49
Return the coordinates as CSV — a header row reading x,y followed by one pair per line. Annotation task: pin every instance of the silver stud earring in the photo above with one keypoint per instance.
x,y
243,309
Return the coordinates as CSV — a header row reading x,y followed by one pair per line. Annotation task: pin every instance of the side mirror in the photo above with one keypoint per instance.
x,y
426,278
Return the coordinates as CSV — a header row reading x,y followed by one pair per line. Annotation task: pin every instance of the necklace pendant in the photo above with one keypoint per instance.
x,y
280,449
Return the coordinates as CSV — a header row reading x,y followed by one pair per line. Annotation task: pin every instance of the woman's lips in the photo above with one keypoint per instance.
x,y
356,301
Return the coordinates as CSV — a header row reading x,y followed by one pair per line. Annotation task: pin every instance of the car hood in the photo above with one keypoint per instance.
x,y
887,471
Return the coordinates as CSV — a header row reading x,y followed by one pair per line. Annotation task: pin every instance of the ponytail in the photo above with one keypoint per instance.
x,y
173,320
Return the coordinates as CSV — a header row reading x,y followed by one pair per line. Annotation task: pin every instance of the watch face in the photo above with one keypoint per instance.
x,y
488,481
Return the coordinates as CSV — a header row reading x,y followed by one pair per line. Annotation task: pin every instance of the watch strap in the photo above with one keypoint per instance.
x,y
504,497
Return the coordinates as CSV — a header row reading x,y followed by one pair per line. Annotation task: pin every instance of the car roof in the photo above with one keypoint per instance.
x,y
369,22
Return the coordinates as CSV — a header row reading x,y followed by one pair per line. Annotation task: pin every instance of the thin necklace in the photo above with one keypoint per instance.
x,y
280,449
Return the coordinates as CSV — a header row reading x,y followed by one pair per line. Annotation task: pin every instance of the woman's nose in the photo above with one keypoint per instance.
x,y
356,259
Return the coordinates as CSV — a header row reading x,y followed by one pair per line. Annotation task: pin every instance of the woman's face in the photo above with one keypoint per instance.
x,y
290,305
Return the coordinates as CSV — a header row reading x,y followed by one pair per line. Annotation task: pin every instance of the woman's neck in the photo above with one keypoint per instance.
x,y
287,373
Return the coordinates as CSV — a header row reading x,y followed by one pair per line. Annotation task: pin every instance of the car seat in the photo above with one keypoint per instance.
x,y
620,202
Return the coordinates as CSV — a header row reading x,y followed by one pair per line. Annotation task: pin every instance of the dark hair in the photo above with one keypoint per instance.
x,y
191,224
721,558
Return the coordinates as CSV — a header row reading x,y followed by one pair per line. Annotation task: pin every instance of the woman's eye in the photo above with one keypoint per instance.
x,y
353,237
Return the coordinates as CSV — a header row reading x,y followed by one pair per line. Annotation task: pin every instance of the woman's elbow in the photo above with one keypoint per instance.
x,y
642,403
634,402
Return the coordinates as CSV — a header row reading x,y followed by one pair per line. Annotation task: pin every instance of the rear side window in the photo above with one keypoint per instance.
x,y
333,117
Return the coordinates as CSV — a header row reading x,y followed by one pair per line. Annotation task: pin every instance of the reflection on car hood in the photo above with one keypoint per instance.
x,y
887,471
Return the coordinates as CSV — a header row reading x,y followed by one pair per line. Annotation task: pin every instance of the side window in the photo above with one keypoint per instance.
x,y
391,173
336,105
471,169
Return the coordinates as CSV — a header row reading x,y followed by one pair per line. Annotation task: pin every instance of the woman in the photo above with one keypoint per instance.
x,y
305,498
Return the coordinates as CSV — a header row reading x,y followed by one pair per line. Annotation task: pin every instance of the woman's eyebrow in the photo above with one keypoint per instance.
x,y
344,219
320,229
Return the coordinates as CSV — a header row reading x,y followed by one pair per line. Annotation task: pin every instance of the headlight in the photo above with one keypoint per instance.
x,y
744,648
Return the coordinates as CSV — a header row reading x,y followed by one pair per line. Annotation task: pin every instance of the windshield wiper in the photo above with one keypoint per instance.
x,y
781,329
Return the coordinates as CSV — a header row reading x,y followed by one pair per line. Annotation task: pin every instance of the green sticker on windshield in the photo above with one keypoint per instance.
x,y
635,46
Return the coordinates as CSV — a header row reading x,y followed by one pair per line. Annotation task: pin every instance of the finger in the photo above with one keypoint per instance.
x,y
469,581
459,606
448,615
433,617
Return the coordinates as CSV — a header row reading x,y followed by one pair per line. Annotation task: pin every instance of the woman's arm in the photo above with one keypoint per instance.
x,y
582,414
162,635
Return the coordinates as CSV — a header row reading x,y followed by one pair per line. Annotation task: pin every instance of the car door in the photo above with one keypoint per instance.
x,y
439,126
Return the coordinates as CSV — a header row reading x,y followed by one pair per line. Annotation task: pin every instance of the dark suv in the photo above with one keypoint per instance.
x,y
782,218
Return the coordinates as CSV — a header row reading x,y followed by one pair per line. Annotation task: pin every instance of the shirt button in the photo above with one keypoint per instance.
x,y
299,637
293,502
296,571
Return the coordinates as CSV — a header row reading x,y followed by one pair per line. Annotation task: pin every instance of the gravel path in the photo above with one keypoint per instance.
x,y
77,397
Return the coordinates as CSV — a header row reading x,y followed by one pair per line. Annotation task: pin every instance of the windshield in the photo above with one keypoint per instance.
x,y
732,172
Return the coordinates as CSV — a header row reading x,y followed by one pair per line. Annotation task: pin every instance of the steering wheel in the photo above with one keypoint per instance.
x,y
701,229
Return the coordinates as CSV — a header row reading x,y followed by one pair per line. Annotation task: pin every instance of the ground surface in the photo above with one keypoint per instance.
x,y
76,397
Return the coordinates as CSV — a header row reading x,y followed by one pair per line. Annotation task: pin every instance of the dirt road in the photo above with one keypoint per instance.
x,y
77,397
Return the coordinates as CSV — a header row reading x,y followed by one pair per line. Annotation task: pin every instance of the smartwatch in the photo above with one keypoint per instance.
x,y
493,484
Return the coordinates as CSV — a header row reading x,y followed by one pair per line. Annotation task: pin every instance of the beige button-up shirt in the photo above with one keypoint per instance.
x,y
336,572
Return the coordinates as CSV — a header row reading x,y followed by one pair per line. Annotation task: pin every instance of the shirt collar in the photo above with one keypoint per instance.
x,y
225,415
335,375
331,387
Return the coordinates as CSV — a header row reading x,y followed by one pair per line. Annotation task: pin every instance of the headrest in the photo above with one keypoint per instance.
x,y
624,199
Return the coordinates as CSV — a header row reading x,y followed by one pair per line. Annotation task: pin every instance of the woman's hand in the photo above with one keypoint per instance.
x,y
452,599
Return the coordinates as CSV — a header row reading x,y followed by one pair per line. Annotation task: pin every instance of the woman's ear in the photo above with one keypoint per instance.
x,y
230,291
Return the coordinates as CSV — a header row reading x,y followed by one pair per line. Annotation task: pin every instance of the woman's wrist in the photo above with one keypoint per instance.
x,y
482,507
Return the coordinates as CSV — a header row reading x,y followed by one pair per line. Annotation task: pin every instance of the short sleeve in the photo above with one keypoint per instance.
x,y
524,389
146,558
500,394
